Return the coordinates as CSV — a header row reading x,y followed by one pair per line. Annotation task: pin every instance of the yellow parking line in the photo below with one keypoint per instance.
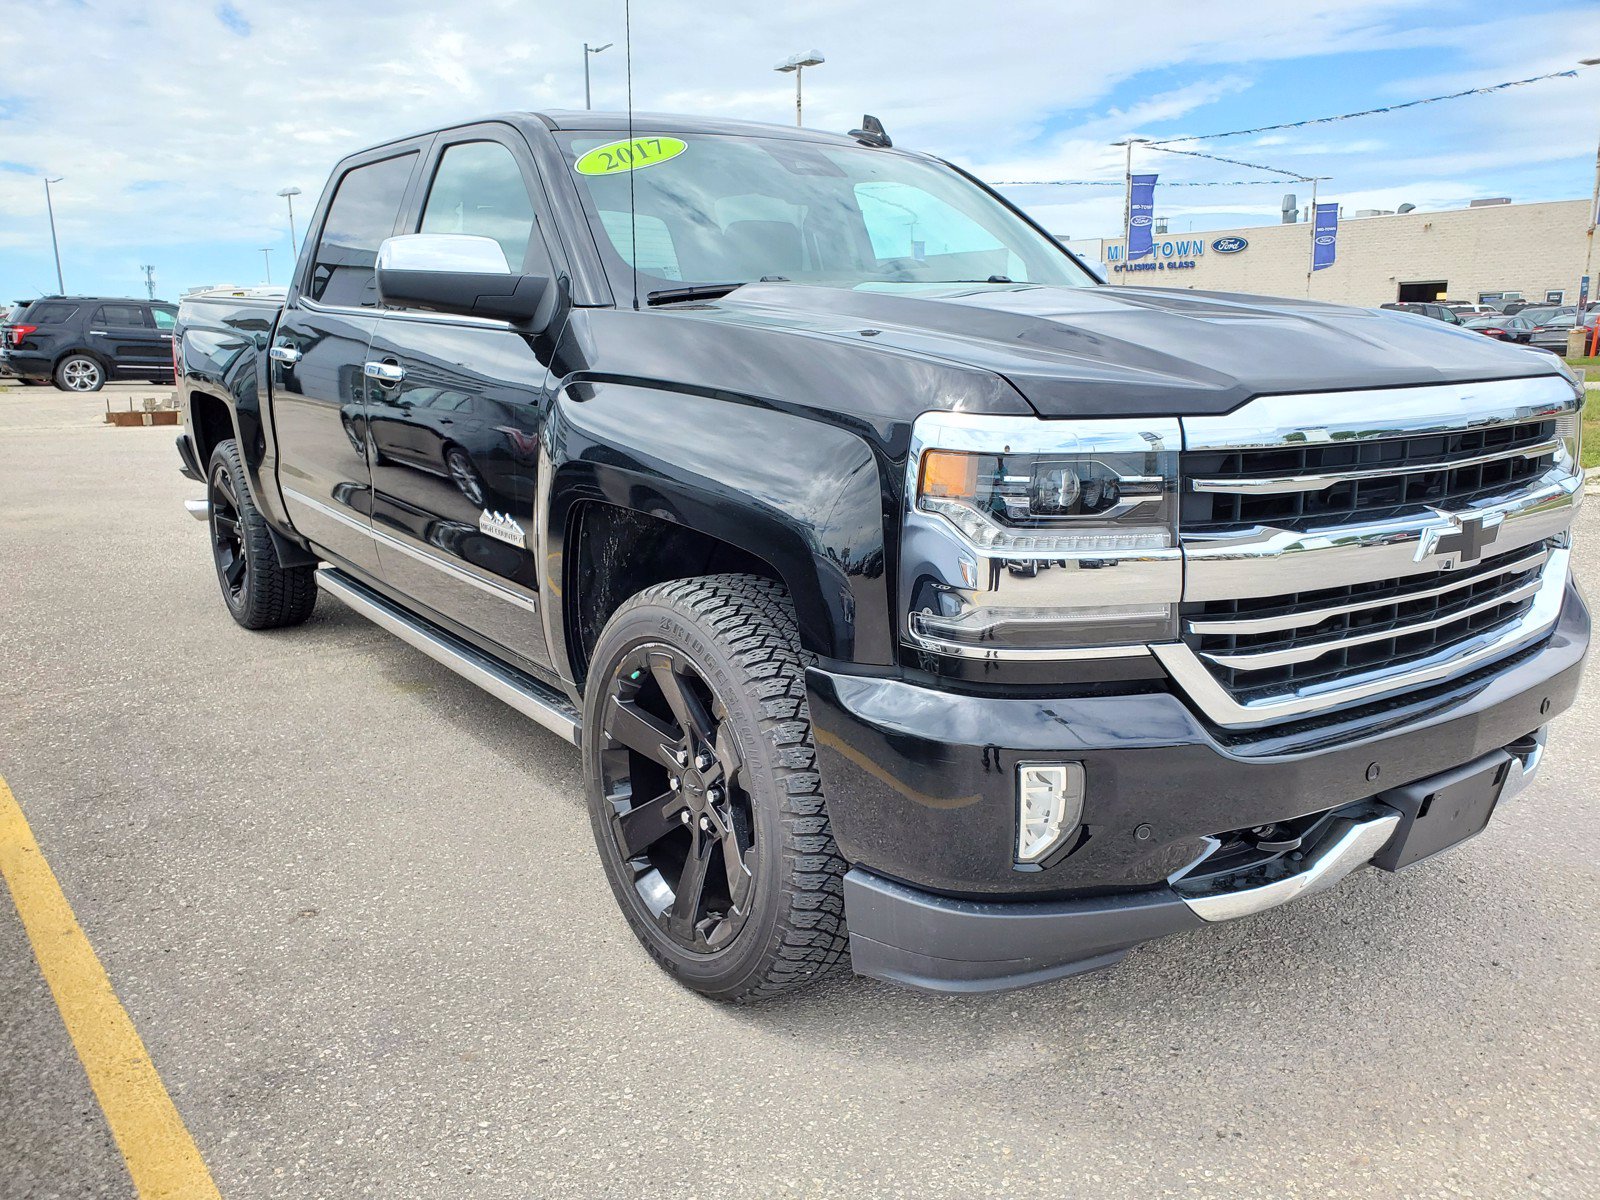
x,y
161,1156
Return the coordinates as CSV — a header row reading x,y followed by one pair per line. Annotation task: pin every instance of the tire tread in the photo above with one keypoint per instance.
x,y
277,596
756,622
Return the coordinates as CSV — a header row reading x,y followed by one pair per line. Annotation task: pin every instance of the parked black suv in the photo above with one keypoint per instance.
x,y
79,342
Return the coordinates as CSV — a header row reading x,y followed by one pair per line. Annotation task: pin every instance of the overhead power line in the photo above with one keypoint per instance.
x,y
1119,183
1368,112
1232,162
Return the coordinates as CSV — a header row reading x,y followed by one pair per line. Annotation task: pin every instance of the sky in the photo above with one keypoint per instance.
x,y
173,126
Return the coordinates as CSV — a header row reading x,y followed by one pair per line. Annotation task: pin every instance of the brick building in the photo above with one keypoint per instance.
x,y
1468,254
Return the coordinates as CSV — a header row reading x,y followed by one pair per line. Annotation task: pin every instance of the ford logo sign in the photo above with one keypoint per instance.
x,y
1140,222
1229,245
1324,239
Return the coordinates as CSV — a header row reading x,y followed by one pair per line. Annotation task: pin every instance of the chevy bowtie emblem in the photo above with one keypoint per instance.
x,y
1462,541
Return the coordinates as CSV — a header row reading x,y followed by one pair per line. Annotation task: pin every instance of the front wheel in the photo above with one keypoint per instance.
x,y
703,790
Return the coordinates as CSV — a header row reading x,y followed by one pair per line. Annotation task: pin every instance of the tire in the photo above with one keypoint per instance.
x,y
79,373
260,592
767,916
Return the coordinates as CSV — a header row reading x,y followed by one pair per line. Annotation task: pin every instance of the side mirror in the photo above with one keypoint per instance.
x,y
464,275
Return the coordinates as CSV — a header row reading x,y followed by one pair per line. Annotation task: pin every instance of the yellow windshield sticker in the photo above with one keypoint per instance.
x,y
616,157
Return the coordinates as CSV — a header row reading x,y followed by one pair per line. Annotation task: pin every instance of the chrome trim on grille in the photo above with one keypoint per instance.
x,y
1481,649
1272,422
1249,660
1257,561
1315,616
1522,526
1322,481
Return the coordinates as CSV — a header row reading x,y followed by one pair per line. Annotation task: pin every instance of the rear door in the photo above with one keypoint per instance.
x,y
317,354
455,493
122,335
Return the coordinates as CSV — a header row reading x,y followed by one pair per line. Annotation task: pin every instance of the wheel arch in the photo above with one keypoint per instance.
x,y
106,367
723,486
213,424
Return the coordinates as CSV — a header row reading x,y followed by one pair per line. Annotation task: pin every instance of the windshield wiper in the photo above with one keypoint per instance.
x,y
700,291
705,291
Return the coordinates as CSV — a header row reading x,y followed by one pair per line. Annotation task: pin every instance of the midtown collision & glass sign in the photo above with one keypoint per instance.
x,y
1165,254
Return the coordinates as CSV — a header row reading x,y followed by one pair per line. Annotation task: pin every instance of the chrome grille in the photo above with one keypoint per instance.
x,y
1257,647
1300,486
1350,548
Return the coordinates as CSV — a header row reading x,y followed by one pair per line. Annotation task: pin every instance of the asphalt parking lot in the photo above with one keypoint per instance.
x,y
352,908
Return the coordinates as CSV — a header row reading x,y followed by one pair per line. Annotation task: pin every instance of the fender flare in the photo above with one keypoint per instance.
x,y
803,495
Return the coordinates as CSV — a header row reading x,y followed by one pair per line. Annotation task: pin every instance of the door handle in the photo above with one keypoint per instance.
x,y
284,354
384,372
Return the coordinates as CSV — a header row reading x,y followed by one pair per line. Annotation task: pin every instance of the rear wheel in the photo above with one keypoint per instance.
x,y
703,790
80,373
260,592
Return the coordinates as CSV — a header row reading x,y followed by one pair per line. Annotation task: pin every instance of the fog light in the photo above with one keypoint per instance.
x,y
1049,806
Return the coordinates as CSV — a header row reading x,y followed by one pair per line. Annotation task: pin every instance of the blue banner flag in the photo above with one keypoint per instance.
x,y
1141,215
1324,236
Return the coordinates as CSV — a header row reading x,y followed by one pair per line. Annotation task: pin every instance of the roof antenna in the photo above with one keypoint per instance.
x,y
633,216
871,133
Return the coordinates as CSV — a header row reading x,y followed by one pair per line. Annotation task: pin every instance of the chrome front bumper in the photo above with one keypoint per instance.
x,y
1351,842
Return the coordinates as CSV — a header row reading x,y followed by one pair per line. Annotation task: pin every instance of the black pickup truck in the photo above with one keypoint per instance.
x,y
908,591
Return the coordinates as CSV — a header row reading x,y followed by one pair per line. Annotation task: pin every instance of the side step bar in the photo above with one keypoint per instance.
x,y
522,692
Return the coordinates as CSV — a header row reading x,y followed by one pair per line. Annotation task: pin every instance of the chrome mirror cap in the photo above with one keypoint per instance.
x,y
460,253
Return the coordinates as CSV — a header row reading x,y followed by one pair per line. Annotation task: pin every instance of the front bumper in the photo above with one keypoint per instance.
x,y
920,787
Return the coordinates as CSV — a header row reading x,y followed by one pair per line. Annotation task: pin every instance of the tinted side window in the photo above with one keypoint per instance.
x,y
164,318
119,314
49,314
478,189
363,213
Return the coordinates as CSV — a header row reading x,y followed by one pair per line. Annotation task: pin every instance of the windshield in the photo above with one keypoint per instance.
x,y
715,209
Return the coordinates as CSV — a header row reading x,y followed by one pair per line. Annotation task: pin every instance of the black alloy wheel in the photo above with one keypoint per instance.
x,y
227,536
703,790
673,777
261,593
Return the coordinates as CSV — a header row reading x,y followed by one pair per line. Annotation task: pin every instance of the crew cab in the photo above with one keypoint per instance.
x,y
908,593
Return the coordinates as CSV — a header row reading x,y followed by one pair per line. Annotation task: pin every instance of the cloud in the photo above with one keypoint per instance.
x,y
174,132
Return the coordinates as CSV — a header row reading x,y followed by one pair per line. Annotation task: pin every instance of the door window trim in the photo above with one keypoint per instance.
x,y
545,227
416,147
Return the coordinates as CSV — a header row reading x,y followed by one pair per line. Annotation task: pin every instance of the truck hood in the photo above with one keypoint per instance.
x,y
1129,351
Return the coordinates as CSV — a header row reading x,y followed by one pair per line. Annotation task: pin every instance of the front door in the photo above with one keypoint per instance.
x,y
317,360
455,416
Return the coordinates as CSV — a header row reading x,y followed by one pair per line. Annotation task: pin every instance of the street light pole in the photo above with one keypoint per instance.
x,y
289,193
61,287
798,64
1586,285
1127,193
266,255
587,51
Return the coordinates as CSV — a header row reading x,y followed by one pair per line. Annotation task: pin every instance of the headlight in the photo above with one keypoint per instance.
x,y
1035,539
